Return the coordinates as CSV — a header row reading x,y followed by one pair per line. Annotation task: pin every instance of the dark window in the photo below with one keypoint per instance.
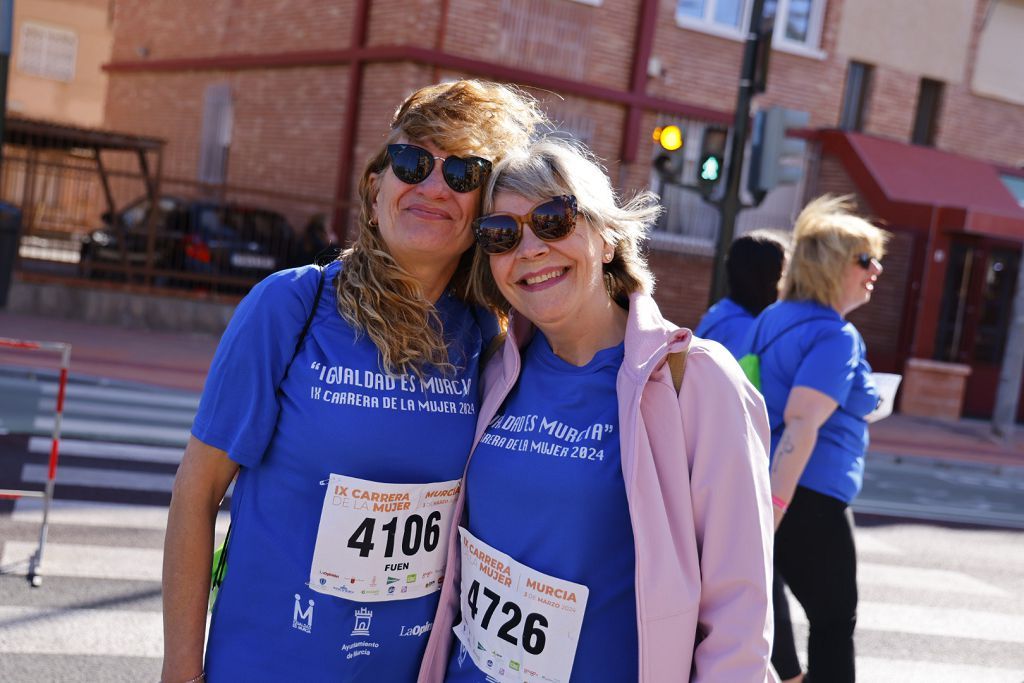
x,y
929,101
856,96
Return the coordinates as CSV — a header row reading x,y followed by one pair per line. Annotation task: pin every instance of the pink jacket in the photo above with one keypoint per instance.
x,y
702,524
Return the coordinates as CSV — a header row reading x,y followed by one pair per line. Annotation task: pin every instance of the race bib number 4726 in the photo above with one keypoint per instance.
x,y
518,624
380,541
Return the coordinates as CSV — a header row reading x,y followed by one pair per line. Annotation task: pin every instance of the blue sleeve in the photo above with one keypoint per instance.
x,y
830,364
239,407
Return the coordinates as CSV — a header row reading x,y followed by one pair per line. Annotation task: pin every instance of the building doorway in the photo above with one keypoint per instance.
x,y
975,317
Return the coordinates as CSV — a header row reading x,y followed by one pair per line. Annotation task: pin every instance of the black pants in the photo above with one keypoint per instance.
x,y
816,558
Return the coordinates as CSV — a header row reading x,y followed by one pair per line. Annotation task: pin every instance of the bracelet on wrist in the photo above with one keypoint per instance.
x,y
776,501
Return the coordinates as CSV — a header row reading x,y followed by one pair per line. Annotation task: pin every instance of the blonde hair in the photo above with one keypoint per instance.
x,y
376,295
826,238
554,166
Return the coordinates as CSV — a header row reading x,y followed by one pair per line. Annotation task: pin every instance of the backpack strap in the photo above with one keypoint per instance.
x,y
220,555
789,328
492,348
308,324
677,365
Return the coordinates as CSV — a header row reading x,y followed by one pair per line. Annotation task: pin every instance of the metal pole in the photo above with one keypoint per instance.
x,y
1004,417
6,28
729,205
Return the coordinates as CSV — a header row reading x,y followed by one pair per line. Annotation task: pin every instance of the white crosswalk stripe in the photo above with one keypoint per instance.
x,y
914,612
104,449
96,514
70,475
94,632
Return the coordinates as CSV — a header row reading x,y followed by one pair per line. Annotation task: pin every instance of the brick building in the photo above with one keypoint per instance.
x,y
285,100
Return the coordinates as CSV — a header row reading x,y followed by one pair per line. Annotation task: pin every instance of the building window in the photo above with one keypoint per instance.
x,y
218,120
926,121
47,52
856,96
797,22
540,35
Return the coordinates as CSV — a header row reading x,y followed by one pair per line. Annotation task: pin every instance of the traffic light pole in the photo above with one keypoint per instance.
x,y
730,205
6,28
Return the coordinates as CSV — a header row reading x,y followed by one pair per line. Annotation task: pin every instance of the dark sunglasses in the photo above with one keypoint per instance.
x,y
552,220
865,261
412,164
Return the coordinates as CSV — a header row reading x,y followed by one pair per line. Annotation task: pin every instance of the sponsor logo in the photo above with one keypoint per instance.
x,y
302,619
514,665
410,578
405,589
344,589
363,617
480,646
323,581
392,579
391,590
330,574
417,630
370,591
490,663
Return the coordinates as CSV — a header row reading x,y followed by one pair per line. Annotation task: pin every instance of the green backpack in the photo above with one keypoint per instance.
x,y
751,362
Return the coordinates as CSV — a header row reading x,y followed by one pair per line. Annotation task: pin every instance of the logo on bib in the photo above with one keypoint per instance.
x,y
302,619
363,617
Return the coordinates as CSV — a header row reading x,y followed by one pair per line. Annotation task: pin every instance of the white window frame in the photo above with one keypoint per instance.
x,y
45,68
592,3
811,48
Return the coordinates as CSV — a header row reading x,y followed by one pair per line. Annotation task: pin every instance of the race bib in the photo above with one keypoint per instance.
x,y
517,623
380,542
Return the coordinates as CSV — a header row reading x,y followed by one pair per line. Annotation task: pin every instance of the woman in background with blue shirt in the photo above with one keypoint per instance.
x,y
817,385
754,267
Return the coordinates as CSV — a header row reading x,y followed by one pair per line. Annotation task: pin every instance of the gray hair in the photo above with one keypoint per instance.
x,y
554,166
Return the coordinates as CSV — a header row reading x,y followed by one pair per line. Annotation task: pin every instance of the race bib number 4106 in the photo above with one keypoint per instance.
x,y
380,541
518,624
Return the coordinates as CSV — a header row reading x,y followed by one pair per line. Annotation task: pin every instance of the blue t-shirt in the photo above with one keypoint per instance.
x,y
726,323
545,486
335,412
803,343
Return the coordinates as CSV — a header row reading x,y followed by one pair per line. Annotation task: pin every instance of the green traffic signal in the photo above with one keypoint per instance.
x,y
711,169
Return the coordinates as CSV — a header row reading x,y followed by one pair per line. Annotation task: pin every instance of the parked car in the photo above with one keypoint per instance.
x,y
192,236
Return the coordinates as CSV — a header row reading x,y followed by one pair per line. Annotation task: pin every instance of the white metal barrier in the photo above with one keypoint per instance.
x,y
35,564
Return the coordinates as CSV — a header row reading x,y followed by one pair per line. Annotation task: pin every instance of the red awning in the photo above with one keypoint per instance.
x,y
904,179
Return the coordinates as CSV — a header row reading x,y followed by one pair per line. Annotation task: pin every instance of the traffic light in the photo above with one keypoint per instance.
x,y
711,163
776,159
668,162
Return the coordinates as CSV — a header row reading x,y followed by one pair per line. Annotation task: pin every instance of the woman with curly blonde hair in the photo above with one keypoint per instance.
x,y
345,400
818,388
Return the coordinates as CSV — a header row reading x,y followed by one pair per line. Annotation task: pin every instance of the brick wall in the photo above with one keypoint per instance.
x,y
683,282
197,28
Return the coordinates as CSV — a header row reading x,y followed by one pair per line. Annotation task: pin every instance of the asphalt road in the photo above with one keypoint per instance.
x,y
941,548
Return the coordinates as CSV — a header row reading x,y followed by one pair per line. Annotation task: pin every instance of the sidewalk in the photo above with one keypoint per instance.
x,y
166,359
180,361
963,440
